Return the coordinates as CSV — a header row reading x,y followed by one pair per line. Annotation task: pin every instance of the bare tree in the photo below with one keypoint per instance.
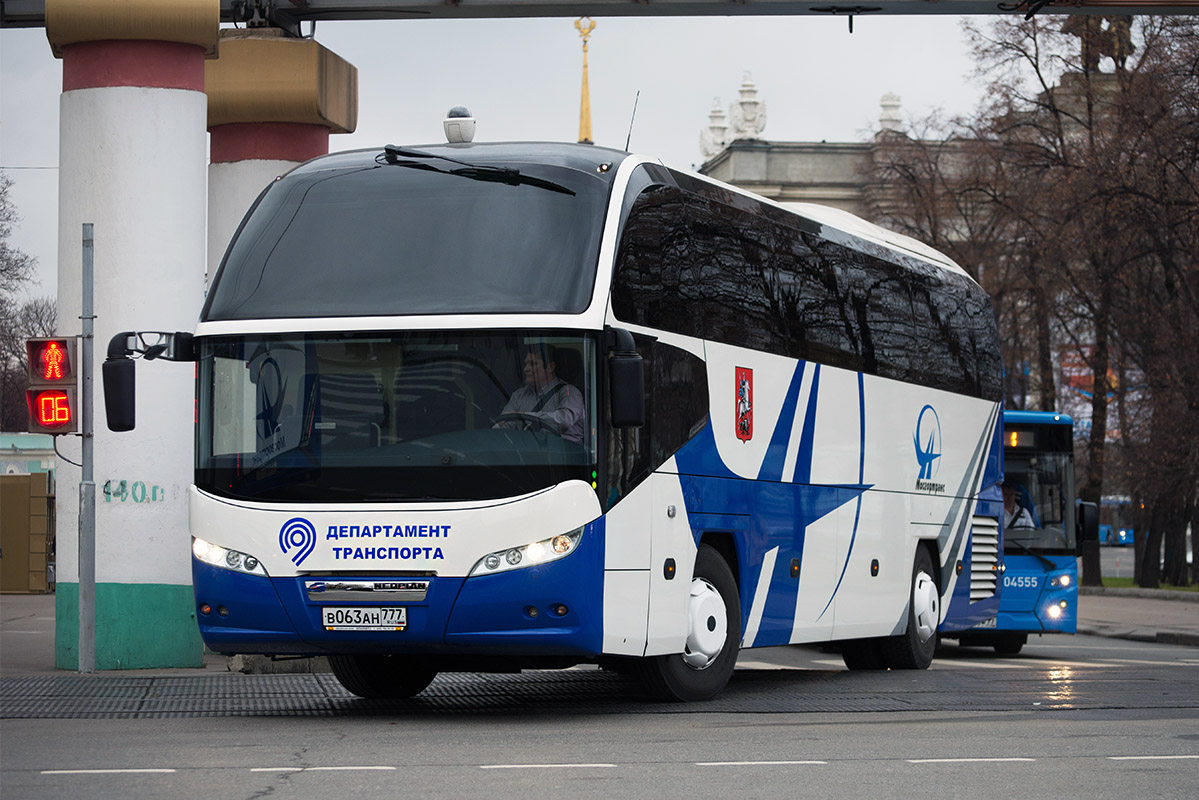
x,y
31,319
1154,150
18,321
15,266
1072,195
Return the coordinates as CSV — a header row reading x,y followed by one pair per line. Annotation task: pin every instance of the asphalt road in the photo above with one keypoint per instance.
x,y
1072,717
1116,562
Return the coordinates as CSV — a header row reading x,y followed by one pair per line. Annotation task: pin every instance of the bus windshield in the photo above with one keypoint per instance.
x,y
389,239
1042,488
405,416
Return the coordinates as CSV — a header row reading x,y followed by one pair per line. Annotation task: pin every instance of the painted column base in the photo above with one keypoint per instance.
x,y
138,626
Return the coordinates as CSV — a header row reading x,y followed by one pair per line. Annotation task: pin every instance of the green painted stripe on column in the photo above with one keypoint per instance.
x,y
138,626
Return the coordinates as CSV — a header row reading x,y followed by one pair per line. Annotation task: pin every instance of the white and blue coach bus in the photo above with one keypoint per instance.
x,y
741,426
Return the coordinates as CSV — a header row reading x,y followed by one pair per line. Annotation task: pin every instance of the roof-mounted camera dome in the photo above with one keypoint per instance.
x,y
459,125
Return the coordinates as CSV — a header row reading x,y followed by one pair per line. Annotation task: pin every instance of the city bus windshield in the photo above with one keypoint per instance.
x,y
1039,515
405,416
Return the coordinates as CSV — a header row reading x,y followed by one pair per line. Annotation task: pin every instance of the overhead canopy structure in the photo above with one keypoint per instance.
x,y
289,14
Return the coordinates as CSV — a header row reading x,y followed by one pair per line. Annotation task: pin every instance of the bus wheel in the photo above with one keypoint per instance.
x,y
713,635
914,648
1009,644
381,676
863,654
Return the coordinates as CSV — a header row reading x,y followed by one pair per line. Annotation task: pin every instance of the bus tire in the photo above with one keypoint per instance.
x,y
713,638
381,677
1009,644
914,648
861,654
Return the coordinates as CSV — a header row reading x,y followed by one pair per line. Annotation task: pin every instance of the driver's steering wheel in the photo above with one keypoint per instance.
x,y
533,422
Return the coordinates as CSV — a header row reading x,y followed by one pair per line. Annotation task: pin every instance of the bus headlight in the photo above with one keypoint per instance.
x,y
225,558
1060,580
529,555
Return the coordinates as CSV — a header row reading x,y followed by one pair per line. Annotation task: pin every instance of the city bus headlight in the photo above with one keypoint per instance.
x,y
1060,580
529,555
1056,610
225,558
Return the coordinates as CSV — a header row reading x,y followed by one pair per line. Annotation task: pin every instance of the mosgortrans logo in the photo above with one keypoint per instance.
x,y
297,538
927,440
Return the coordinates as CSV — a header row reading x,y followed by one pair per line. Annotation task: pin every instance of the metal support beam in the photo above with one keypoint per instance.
x,y
87,483
288,14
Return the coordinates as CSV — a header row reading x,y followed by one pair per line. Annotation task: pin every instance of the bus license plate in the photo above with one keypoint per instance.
x,y
364,619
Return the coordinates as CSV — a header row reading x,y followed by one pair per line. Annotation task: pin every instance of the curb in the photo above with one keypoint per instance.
x,y
1147,594
1171,637
1141,635
265,665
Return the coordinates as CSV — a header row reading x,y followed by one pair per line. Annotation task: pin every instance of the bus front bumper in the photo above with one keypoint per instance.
x,y
553,609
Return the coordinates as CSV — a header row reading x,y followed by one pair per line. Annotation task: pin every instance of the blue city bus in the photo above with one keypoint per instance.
x,y
1115,521
492,407
1040,538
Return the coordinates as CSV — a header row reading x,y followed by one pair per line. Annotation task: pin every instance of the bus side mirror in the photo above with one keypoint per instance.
x,y
626,380
1087,517
117,369
119,394
118,378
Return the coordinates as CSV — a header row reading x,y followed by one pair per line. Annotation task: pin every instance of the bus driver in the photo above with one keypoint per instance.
x,y
1015,515
545,401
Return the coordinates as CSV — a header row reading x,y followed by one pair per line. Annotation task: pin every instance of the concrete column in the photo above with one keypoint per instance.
x,y
272,103
132,162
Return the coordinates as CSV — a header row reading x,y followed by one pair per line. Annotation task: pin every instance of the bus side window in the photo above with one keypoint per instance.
x,y
679,406
676,398
629,448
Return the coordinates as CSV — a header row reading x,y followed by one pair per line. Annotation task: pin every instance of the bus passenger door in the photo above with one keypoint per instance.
x,y
626,571
672,543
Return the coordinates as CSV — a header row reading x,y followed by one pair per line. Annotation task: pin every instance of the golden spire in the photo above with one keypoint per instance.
x,y
585,103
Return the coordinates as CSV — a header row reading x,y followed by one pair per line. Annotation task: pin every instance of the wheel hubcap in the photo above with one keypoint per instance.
x,y
926,606
708,625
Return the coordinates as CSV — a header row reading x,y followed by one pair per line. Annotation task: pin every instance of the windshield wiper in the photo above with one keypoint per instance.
x,y
1031,552
478,172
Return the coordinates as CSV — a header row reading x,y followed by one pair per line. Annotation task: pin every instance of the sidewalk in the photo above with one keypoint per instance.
x,y
1144,615
27,641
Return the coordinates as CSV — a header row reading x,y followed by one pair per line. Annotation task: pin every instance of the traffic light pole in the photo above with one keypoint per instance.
x,y
87,485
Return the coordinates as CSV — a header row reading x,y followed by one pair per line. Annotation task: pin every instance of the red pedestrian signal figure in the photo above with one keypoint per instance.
x,y
52,380
52,359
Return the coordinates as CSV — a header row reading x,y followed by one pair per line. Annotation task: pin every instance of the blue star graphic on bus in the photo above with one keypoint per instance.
x,y
780,512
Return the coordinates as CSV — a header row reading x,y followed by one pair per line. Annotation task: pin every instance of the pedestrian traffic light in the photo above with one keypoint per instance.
x,y
51,394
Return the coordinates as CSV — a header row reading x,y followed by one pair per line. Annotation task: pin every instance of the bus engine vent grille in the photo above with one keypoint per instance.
x,y
984,557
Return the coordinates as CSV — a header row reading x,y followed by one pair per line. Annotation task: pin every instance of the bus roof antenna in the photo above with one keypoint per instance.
x,y
629,138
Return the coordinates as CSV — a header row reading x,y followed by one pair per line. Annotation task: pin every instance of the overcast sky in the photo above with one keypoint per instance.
x,y
521,80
